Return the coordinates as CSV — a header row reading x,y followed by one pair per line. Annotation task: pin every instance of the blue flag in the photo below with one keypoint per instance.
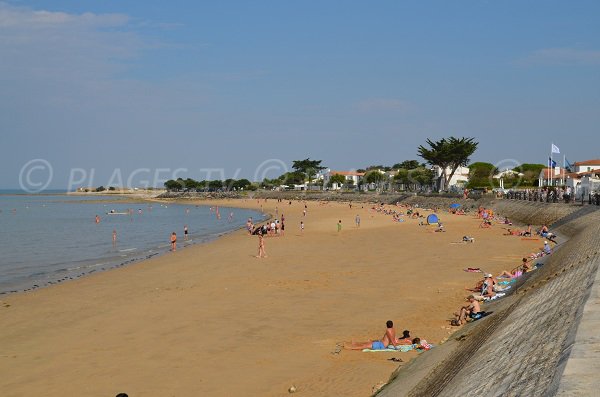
x,y
551,163
568,165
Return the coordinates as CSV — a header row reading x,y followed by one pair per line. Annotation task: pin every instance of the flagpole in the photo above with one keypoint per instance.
x,y
550,165
564,177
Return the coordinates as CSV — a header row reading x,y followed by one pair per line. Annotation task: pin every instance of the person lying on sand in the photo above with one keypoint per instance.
x,y
389,338
510,232
421,344
473,310
517,272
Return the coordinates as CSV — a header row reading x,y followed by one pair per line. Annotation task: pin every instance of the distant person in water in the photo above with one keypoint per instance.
x,y
97,219
114,236
173,241
389,338
185,232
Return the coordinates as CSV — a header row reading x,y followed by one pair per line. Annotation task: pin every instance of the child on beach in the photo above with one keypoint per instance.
x,y
301,227
339,225
173,241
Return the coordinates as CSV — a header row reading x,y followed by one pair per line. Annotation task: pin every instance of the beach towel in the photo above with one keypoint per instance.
x,y
483,314
473,270
497,296
399,348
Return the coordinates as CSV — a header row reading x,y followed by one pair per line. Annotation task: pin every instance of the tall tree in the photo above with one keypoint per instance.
x,y
308,167
448,153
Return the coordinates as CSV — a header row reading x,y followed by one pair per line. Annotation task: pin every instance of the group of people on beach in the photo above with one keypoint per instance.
x,y
390,339
490,287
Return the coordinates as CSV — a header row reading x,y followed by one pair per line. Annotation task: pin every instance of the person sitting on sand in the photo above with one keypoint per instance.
x,y
527,232
547,250
486,223
473,310
487,288
405,340
389,338
525,264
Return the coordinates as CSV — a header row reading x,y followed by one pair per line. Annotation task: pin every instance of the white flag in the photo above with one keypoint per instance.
x,y
555,149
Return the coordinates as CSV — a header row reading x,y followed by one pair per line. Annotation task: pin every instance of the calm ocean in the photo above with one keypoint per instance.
x,y
47,239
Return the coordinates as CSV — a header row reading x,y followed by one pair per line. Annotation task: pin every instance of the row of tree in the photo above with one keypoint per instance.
x,y
190,184
447,153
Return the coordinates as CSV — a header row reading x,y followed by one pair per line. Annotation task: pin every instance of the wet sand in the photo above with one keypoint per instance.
x,y
214,320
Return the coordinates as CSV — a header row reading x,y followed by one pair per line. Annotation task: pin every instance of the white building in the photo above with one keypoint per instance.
x,y
459,179
586,166
351,176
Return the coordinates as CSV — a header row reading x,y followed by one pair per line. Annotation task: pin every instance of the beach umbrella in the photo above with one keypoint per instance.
x,y
454,205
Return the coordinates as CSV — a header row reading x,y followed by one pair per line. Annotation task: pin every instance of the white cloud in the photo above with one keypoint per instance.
x,y
563,56
383,105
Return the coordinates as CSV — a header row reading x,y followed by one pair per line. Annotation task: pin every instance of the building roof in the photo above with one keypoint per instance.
x,y
347,173
587,162
580,174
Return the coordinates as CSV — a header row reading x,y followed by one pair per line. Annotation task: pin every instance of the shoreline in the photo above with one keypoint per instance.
x,y
77,269
318,289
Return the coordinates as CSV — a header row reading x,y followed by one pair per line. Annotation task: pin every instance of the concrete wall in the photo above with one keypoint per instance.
x,y
523,347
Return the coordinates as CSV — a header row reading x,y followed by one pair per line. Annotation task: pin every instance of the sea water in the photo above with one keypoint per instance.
x,y
48,239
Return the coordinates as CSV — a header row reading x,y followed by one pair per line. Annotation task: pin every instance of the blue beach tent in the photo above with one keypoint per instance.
x,y
454,205
432,218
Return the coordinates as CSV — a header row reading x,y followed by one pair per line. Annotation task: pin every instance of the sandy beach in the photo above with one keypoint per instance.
x,y
214,320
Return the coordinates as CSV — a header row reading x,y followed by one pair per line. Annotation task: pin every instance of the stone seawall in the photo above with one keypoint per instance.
x,y
522,348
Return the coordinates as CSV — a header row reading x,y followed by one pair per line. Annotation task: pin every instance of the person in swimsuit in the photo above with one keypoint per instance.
x,y
405,340
173,241
389,338
261,246
473,310
185,232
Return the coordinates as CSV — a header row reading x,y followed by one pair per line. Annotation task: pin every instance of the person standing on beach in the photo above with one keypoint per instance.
x,y
357,220
302,227
261,246
339,225
173,241
185,232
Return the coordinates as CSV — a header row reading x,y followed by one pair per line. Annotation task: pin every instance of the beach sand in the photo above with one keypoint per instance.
x,y
214,320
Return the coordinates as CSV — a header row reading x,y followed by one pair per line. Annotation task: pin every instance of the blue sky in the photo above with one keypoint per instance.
x,y
124,85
